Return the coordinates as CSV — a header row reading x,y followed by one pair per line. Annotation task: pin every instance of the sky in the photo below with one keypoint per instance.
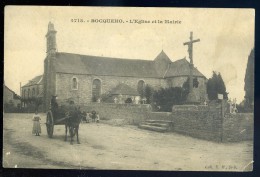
x,y
226,38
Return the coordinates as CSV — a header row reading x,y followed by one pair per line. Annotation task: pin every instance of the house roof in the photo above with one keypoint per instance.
x,y
124,89
181,68
35,80
15,96
161,67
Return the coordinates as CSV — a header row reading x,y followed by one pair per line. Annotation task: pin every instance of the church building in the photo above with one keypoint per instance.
x,y
85,78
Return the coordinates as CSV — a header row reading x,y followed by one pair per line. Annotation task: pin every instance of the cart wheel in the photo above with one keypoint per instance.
x,y
49,124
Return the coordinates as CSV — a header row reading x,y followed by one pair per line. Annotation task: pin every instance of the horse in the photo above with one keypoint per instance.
x,y
72,122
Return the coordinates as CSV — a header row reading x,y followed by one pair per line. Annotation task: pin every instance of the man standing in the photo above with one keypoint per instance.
x,y
54,105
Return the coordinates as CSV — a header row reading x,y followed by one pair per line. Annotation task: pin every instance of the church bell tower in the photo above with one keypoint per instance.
x,y
51,39
49,76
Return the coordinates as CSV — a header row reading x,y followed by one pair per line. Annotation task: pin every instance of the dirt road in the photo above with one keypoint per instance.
x,y
117,147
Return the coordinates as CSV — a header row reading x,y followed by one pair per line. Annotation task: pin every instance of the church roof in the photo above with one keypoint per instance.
x,y
161,63
124,89
34,81
106,66
181,68
160,67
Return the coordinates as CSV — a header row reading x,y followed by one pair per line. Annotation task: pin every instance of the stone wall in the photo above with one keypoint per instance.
x,y
166,116
64,88
109,82
198,121
200,92
130,113
238,127
49,80
207,122
84,92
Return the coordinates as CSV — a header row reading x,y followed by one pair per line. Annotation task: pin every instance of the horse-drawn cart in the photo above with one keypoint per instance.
x,y
61,116
52,120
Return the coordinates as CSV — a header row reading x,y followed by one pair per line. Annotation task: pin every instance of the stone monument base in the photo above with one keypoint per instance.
x,y
192,99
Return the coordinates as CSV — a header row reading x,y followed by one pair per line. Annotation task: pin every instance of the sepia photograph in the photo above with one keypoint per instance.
x,y
128,88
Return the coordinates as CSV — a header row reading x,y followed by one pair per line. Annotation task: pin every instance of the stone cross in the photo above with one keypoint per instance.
x,y
190,46
190,50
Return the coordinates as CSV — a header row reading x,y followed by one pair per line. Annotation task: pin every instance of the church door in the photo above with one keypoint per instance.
x,y
96,89
141,87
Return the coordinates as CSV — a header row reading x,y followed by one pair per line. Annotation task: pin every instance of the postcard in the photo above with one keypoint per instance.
x,y
128,88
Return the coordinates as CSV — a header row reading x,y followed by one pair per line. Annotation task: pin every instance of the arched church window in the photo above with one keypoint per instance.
x,y
195,83
74,83
141,87
96,89
24,93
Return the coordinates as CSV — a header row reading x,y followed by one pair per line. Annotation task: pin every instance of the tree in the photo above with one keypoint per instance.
x,y
148,94
249,81
216,86
221,88
166,98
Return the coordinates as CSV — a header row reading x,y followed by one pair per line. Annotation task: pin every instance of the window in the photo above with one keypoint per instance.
x,y
141,87
24,92
74,83
96,89
195,83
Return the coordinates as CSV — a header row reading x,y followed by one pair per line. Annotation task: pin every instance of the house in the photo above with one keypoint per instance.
x,y
11,100
32,93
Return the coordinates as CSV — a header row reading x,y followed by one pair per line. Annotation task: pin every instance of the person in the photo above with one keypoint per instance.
x,y
36,124
97,121
205,103
54,105
137,99
84,116
115,100
88,117
93,116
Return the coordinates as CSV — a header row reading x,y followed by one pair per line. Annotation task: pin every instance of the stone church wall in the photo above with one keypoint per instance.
x,y
110,82
200,92
84,92
64,88
49,80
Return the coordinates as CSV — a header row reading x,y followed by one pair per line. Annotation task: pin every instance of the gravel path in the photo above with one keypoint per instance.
x,y
105,146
